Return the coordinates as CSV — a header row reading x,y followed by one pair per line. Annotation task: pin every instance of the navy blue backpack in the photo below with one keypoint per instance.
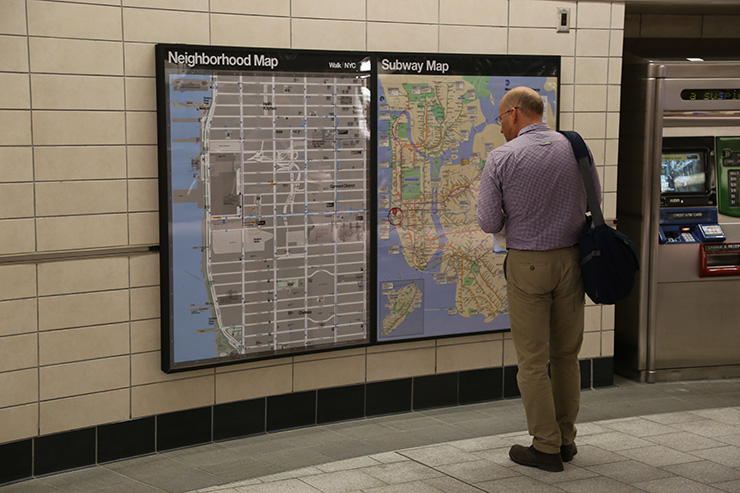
x,y
609,259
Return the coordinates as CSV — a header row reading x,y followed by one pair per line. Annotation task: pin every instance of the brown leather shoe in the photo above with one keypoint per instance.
x,y
568,451
529,456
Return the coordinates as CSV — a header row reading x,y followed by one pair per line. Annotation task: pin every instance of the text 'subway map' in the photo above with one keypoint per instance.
x,y
268,179
438,273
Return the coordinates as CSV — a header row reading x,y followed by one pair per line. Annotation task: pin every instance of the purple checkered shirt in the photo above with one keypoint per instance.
x,y
533,186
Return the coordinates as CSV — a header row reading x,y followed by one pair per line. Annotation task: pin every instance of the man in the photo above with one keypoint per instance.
x,y
532,186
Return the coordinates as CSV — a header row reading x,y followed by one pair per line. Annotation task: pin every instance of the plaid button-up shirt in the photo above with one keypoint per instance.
x,y
533,186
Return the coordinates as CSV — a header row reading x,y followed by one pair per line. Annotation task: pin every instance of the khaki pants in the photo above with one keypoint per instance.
x,y
545,295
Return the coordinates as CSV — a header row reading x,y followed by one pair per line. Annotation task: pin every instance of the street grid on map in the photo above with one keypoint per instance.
x,y
283,169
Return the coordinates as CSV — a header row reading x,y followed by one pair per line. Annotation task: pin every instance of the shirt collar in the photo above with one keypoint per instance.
x,y
533,128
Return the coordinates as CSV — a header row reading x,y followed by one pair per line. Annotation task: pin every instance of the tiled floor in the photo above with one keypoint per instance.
x,y
666,437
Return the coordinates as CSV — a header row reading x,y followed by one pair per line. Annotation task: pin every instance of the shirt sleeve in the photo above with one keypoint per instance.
x,y
491,217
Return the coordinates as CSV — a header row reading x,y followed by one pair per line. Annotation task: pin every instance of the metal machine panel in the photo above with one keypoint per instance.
x,y
698,325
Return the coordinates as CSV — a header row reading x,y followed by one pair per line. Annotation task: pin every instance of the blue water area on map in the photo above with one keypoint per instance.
x,y
189,309
438,298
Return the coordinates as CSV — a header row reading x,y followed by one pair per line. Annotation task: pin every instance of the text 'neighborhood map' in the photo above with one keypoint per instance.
x,y
438,273
269,209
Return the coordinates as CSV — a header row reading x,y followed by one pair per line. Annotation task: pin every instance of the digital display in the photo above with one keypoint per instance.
x,y
710,94
683,172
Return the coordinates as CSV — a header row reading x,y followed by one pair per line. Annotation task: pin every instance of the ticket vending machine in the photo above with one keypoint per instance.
x,y
679,161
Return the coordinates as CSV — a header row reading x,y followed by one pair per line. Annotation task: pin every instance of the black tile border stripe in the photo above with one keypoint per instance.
x,y
25,459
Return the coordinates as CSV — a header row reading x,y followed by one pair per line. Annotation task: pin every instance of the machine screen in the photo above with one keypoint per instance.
x,y
683,172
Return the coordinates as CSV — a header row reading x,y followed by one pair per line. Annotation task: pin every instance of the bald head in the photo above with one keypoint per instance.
x,y
519,108
527,100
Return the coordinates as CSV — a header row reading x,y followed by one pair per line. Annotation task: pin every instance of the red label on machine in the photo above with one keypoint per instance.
x,y
719,259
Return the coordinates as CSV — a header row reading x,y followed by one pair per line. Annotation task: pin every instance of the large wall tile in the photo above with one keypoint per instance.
x,y
14,53
146,368
17,281
385,36
720,26
671,26
538,13
144,228
331,372
84,377
463,357
68,20
17,236
78,310
592,42
616,43
592,70
328,35
488,40
423,11
17,200
400,364
19,422
251,384
141,94
141,127
618,9
78,127
255,7
531,41
19,352
142,162
18,316
197,5
591,345
65,346
78,276
594,15
16,127
146,335
13,20
80,163
19,387
84,411
67,233
73,56
159,398
67,92
143,195
475,12
144,270
163,26
590,98
329,9
16,94
590,125
16,164
139,59
250,30
145,303
80,197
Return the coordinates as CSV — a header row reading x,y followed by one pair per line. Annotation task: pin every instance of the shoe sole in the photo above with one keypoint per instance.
x,y
544,467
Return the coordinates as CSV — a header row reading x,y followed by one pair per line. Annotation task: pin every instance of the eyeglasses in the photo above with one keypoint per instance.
x,y
501,116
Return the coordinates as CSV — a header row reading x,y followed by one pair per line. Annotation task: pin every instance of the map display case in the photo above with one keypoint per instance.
x,y
319,200
263,202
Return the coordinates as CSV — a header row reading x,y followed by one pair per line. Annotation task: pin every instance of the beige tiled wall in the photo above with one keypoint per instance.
x,y
79,338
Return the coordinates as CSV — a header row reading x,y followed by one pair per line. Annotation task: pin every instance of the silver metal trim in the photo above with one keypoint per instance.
x,y
59,255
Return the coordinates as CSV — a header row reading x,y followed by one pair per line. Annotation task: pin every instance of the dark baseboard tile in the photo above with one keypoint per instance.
x,y
49,454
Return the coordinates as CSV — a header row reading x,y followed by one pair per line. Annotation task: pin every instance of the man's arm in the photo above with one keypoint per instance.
x,y
491,217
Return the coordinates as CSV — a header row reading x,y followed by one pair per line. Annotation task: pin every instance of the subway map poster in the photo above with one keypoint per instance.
x,y
263,202
438,274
